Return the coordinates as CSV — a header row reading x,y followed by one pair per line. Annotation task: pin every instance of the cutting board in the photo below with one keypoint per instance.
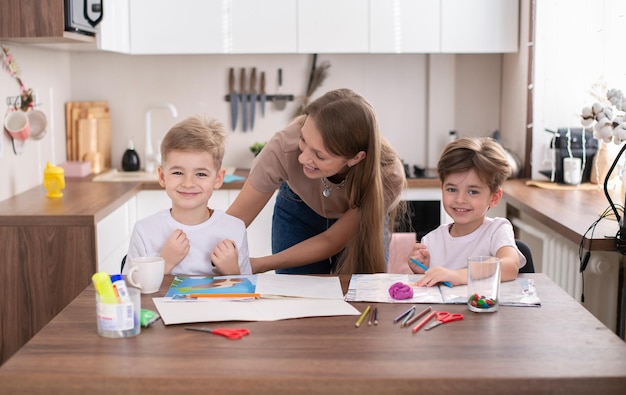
x,y
88,133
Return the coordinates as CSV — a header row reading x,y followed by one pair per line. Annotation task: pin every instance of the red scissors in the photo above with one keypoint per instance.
x,y
443,317
234,334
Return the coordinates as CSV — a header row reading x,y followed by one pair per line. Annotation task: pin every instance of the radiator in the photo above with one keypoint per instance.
x,y
558,259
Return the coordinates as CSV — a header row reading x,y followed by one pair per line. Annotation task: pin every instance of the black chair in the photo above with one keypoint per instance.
x,y
525,250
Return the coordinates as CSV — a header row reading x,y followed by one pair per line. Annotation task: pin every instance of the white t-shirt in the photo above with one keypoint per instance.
x,y
151,233
452,252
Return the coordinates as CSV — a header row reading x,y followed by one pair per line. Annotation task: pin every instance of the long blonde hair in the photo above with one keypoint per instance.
x,y
347,124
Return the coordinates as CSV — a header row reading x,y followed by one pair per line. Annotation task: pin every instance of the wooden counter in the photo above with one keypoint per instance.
x,y
556,348
567,212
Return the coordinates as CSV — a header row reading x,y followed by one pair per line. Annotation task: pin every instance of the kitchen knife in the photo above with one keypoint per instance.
x,y
244,98
262,93
233,98
252,97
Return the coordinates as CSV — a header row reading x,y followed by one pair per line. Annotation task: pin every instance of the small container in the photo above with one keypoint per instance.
x,y
119,320
483,283
54,180
130,159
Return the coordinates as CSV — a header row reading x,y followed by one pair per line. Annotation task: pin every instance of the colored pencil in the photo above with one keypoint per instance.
x,y
424,321
195,296
401,316
375,315
424,268
371,317
363,315
418,316
407,318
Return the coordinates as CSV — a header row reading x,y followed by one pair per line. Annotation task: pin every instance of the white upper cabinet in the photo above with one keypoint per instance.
x,y
309,26
333,26
177,27
479,26
114,29
267,26
405,26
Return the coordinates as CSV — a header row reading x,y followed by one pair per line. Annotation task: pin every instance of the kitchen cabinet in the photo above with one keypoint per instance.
x,y
115,27
113,234
309,26
41,21
268,26
177,27
405,26
49,253
479,26
330,26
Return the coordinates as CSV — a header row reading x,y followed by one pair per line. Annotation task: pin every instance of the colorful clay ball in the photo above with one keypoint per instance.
x,y
400,291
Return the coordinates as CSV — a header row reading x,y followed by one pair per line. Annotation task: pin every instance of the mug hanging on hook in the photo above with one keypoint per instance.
x,y
17,126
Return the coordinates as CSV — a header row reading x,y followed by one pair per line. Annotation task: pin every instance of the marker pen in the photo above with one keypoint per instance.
x,y
104,287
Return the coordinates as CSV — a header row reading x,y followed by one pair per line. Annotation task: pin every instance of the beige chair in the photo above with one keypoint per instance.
x,y
400,247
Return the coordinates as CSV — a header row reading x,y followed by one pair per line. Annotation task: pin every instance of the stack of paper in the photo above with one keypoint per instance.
x,y
281,297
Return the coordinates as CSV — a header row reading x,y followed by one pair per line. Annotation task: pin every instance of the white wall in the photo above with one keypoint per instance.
x,y
418,98
48,72
580,45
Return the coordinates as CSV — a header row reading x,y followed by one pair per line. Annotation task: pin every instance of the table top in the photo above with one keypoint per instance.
x,y
566,211
558,347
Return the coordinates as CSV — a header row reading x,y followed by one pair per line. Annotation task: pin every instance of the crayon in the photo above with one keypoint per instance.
x,y
363,315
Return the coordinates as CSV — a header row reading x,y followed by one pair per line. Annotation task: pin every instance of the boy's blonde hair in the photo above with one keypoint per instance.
x,y
483,154
199,133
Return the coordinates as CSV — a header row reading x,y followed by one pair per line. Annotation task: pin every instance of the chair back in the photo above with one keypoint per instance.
x,y
525,250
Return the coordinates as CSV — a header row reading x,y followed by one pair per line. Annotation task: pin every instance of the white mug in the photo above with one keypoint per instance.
x,y
572,171
146,273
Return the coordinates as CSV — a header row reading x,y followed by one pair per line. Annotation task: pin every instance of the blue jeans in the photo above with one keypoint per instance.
x,y
293,222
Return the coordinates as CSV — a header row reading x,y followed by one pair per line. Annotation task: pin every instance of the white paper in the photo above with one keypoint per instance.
x,y
298,286
251,310
375,288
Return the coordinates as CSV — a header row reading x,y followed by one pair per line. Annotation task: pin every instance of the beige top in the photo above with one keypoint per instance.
x,y
278,162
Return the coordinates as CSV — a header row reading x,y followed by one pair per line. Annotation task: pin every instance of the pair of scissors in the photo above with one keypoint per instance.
x,y
443,317
234,334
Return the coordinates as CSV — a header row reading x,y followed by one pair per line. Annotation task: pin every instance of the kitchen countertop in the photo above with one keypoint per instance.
x,y
569,213
84,202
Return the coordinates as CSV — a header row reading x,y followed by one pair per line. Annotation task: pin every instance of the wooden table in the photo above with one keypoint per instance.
x,y
558,347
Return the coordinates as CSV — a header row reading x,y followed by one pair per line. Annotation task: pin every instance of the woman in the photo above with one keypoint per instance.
x,y
339,183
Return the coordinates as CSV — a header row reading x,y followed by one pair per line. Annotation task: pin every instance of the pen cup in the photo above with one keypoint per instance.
x,y
119,320
483,283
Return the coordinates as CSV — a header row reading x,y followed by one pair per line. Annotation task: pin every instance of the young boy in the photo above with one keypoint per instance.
x,y
471,171
192,238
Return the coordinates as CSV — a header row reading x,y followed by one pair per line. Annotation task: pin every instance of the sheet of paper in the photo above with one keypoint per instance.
x,y
375,288
269,284
251,310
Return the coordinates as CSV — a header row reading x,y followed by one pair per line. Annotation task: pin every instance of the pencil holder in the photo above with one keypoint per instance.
x,y
119,320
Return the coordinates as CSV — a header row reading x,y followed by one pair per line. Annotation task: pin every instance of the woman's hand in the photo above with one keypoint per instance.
x,y
225,258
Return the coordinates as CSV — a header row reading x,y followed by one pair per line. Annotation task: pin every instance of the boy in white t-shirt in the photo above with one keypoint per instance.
x,y
471,171
192,238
